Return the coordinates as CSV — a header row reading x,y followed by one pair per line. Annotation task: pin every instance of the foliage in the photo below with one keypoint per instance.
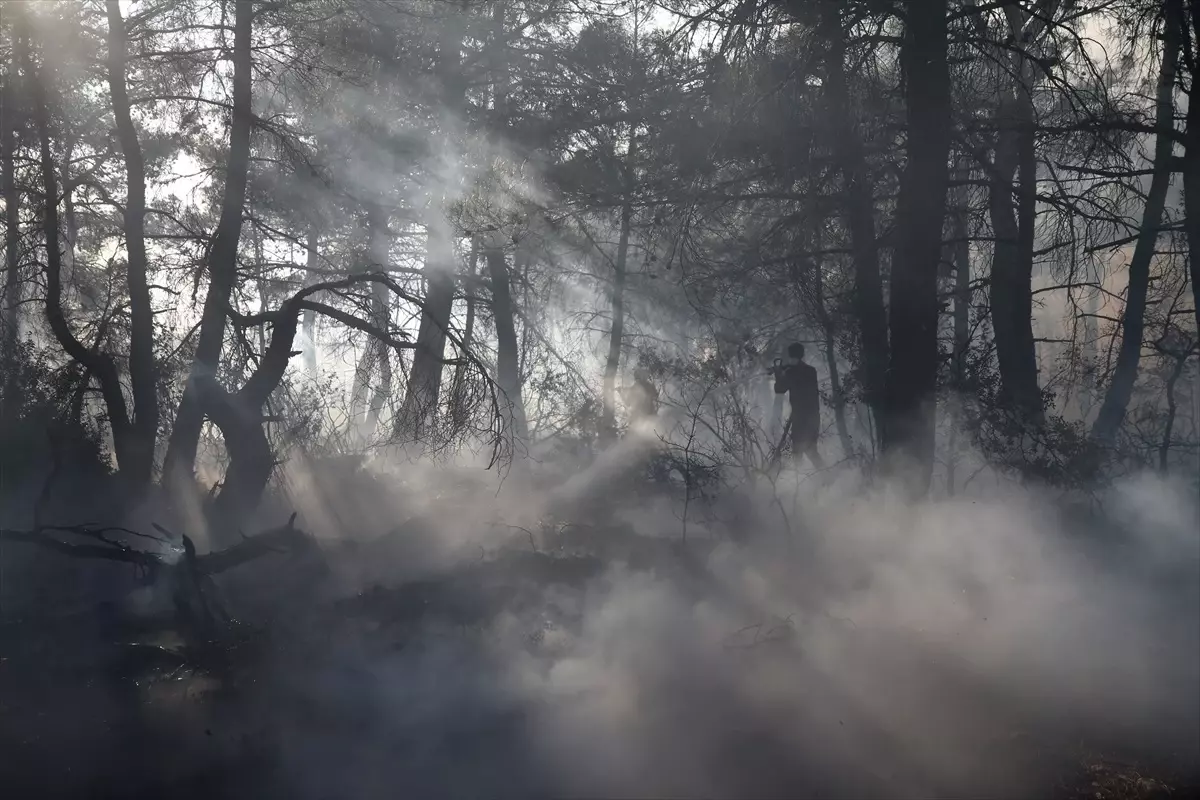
x,y
45,427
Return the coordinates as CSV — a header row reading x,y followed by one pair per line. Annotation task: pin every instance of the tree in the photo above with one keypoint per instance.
x,y
1191,164
221,259
10,128
1124,376
909,390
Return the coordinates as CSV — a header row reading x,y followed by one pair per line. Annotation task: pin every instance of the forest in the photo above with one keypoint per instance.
x,y
402,397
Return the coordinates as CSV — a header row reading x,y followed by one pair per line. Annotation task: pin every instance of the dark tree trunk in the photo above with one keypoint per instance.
x,y
961,255
1012,255
239,417
508,347
1191,162
908,420
143,372
860,214
508,376
93,361
1164,449
10,312
425,378
1120,389
221,259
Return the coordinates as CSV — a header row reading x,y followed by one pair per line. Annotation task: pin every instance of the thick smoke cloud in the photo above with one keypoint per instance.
x,y
957,647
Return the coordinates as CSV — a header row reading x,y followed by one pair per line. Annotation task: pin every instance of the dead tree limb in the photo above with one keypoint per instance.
x,y
102,546
283,538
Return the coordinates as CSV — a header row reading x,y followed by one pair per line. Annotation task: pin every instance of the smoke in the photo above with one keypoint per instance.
x,y
955,647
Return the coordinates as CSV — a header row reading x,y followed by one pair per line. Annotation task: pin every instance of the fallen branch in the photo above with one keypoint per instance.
x,y
275,540
107,549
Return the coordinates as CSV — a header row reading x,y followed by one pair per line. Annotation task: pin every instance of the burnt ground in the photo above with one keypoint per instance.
x,y
390,692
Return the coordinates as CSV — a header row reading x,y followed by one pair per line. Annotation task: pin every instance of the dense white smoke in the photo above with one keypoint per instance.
x,y
956,647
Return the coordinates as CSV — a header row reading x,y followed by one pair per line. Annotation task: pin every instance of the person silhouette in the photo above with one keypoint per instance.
x,y
799,381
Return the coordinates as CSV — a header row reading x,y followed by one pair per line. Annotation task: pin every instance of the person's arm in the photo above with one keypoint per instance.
x,y
783,381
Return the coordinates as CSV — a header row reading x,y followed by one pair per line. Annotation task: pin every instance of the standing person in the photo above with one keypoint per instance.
x,y
799,381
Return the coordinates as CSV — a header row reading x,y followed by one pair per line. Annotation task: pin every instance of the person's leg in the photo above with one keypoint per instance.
x,y
799,446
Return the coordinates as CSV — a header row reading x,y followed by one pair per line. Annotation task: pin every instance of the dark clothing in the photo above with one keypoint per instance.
x,y
799,382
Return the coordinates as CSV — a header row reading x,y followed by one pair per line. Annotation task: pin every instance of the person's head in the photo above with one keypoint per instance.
x,y
795,351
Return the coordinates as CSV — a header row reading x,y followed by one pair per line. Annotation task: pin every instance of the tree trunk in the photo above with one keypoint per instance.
x,y
10,323
93,361
1120,389
828,328
508,348
143,372
365,403
425,378
860,213
221,258
1012,255
961,255
310,317
908,420
1090,354
616,333
1191,162
381,315
1164,449
69,217
239,417
251,459
508,375
458,387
